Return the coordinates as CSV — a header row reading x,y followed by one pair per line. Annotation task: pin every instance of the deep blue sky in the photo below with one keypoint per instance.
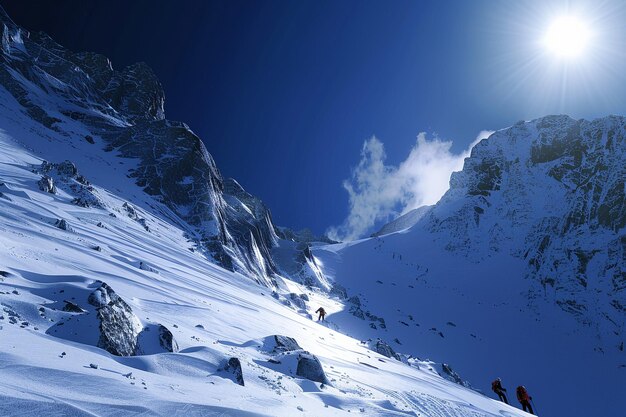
x,y
284,93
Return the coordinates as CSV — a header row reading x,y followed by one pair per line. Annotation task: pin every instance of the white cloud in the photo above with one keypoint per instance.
x,y
379,192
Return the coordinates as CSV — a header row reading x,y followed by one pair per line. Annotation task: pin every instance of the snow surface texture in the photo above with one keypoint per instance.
x,y
114,299
406,221
519,271
214,315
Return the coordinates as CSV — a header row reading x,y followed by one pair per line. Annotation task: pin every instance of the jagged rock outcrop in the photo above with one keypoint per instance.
x,y
125,111
450,374
551,192
46,184
65,175
382,347
119,327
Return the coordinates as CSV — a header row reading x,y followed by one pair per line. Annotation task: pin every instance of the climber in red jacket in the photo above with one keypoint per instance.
x,y
524,399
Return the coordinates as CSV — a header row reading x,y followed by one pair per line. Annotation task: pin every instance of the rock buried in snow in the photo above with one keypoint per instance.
x,y
145,267
309,367
233,366
285,344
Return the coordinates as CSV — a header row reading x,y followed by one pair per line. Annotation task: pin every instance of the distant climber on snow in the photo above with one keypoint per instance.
x,y
496,386
322,313
524,399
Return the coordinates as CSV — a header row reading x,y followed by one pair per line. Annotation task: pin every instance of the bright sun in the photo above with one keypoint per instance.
x,y
567,37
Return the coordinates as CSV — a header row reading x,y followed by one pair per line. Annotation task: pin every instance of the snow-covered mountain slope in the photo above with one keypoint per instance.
x,y
518,271
406,221
109,304
80,98
80,281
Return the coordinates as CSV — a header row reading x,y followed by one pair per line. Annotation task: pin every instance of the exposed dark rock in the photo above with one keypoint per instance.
x,y
166,339
309,367
130,211
384,349
65,176
67,168
63,225
233,366
119,327
46,184
285,344
144,223
72,307
451,375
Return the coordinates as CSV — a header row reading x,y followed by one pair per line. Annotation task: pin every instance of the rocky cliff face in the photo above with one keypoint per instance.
x,y
72,93
552,192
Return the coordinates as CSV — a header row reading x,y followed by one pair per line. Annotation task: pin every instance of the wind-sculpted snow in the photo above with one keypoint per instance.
x,y
406,221
200,340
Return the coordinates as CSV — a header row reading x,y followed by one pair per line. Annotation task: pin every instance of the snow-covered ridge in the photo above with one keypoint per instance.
x,y
403,222
123,112
519,270
552,192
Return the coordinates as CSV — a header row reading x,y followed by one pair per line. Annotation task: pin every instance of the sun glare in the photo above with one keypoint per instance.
x,y
567,37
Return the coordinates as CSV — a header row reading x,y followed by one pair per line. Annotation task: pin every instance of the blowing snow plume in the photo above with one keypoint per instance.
x,y
378,192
